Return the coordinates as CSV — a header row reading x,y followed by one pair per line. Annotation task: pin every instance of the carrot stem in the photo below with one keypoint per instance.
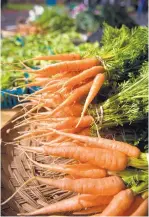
x,y
143,186
140,163
144,195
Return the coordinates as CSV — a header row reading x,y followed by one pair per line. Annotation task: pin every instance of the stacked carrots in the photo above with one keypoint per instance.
x,y
64,130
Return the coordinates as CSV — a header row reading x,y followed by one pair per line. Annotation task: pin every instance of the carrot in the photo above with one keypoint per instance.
x,y
121,202
105,159
51,88
86,171
57,140
97,83
72,204
72,66
37,83
142,210
67,111
52,102
102,186
137,201
96,142
75,96
70,122
61,57
49,101
80,170
85,132
90,210
91,72
43,82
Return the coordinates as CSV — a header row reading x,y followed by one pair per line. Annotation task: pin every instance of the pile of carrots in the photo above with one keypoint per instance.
x,y
57,116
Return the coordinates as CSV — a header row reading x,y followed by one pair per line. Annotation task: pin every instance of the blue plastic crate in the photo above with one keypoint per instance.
x,y
9,101
51,2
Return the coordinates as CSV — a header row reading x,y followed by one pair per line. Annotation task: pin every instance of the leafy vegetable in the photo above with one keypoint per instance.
x,y
21,48
127,106
86,21
55,19
120,48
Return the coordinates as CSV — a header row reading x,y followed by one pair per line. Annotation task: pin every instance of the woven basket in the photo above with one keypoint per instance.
x,y
16,168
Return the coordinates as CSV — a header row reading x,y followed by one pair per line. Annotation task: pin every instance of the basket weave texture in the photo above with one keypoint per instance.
x,y
16,169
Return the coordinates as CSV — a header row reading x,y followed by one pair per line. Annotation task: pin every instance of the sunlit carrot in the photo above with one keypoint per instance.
x,y
81,170
89,73
51,87
103,186
142,210
85,132
75,96
97,84
69,122
103,158
123,147
72,66
137,202
72,204
92,210
67,111
120,203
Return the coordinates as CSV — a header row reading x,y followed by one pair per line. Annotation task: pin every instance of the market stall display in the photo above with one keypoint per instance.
x,y
18,48
59,130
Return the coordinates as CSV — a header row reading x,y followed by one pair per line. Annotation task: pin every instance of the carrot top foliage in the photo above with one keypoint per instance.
x,y
127,106
121,49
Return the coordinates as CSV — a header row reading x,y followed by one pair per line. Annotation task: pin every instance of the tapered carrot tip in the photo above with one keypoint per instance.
x,y
33,149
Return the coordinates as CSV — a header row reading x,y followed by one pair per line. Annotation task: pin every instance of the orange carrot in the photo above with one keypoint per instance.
x,y
73,110
80,170
68,111
83,76
86,171
91,210
102,186
142,210
85,132
121,202
61,57
137,202
69,122
48,100
37,83
72,204
51,88
75,96
97,83
123,147
72,66
105,159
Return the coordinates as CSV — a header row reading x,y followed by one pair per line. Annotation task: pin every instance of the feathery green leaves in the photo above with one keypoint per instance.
x,y
127,106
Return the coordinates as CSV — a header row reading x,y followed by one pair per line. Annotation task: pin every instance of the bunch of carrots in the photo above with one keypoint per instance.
x,y
100,175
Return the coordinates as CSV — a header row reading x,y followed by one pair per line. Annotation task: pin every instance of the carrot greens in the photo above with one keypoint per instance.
x,y
127,106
